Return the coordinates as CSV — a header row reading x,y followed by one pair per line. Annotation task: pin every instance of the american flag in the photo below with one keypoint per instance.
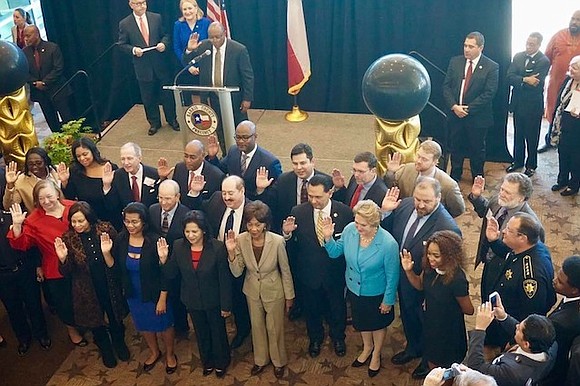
x,y
216,11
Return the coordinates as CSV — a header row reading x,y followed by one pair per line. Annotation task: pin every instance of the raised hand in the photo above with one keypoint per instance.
x,y
231,242
12,174
484,316
63,173
407,260
17,214
391,200
106,243
197,183
499,310
478,186
492,231
327,228
193,41
163,169
394,162
262,181
289,225
162,250
213,146
108,175
337,178
61,249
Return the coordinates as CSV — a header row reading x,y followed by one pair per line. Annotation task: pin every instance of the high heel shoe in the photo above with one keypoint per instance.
x,y
150,366
171,369
373,373
357,363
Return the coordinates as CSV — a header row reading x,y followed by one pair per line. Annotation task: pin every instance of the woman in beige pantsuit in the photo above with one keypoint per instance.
x,y
268,285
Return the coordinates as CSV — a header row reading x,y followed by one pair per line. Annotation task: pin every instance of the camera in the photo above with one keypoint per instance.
x,y
451,372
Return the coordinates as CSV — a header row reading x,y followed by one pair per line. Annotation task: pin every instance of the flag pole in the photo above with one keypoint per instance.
x,y
296,115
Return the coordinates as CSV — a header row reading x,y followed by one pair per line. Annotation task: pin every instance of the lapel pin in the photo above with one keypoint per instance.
x,y
335,214
480,67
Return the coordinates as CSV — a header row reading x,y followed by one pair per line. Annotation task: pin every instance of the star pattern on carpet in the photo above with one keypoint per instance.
x,y
294,377
74,371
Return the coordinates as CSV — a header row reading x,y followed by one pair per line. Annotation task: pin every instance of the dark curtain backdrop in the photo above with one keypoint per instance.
x,y
345,37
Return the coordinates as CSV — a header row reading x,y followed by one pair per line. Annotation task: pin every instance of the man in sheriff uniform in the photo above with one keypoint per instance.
x,y
520,271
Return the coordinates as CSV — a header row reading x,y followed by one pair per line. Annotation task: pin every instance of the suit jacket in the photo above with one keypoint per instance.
x,y
214,208
175,228
281,196
525,98
213,180
152,64
51,68
231,165
207,287
122,194
480,93
22,192
270,279
313,266
406,177
237,71
376,193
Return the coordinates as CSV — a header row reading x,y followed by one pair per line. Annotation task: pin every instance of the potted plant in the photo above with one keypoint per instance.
x,y
58,145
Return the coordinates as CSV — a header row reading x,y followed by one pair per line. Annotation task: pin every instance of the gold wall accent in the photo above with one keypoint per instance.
x,y
396,136
17,134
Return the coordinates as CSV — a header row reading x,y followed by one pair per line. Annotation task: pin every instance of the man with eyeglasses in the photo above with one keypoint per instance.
x,y
192,172
245,159
142,35
228,66
364,183
520,271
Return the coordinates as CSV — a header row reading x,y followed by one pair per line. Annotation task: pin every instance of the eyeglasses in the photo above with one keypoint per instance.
x,y
243,137
132,222
139,3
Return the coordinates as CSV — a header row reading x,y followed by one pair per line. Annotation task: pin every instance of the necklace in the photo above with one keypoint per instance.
x,y
366,240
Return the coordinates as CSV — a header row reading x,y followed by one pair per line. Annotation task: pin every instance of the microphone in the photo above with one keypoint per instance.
x,y
199,57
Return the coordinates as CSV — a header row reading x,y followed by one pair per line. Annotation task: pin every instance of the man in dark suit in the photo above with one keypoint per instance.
x,y
246,158
166,219
133,181
526,75
45,68
225,211
233,71
364,183
469,87
412,221
193,165
141,34
321,278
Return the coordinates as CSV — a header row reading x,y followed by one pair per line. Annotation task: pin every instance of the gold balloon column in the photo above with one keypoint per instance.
x,y
396,137
17,133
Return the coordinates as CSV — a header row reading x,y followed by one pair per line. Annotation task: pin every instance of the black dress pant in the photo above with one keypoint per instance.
x,y
326,302
466,142
51,107
212,339
179,310
151,94
527,125
568,153
20,293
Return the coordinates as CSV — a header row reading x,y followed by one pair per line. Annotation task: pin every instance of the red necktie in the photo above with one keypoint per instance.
x,y
135,189
143,29
467,77
356,195
37,58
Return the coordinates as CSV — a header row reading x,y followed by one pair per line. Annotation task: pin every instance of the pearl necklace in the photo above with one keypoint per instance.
x,y
365,240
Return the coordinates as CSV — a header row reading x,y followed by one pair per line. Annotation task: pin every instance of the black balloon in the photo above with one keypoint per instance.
x,y
13,68
396,87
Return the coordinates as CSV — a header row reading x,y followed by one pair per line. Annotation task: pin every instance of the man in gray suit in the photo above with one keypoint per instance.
x,y
228,66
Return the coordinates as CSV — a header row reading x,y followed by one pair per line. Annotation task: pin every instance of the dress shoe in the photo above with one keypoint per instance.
x,y
122,351
513,168
23,348
545,148
150,366
356,362
402,358
529,172
279,372
171,369
45,343
152,130
569,192
220,373
339,348
295,313
238,341
420,372
207,371
373,373
257,369
174,125
314,349
557,187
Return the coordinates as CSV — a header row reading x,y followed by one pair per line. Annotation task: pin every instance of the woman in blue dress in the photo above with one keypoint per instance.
x,y
135,254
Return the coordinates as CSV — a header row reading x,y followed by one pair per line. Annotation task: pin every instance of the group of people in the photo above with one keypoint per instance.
x,y
210,237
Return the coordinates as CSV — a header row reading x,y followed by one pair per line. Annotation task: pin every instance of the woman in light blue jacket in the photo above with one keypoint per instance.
x,y
372,276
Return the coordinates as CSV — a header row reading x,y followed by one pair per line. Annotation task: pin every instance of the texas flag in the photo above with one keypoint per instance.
x,y
202,119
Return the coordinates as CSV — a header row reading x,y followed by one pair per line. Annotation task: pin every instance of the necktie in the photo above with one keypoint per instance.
x,y
217,69
356,196
319,233
165,224
229,224
243,160
467,78
528,63
411,233
501,216
135,189
304,191
191,175
37,58
143,29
